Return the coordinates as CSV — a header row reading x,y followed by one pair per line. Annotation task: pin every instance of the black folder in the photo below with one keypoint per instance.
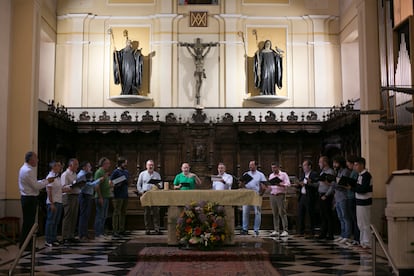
x,y
154,181
275,181
246,178
345,181
185,184
326,177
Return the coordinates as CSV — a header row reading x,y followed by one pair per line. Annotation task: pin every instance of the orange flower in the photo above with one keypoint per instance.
x,y
188,229
189,220
214,225
197,231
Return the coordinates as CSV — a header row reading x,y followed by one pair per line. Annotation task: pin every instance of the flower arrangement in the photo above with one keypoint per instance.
x,y
202,224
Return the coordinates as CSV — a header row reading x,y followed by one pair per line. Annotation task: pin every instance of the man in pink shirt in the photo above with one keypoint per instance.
x,y
277,199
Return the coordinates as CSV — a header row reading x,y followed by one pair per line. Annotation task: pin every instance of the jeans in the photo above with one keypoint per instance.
x,y
257,217
119,214
344,220
52,222
100,217
85,204
29,208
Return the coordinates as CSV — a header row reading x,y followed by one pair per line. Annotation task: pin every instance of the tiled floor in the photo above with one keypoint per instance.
x,y
312,257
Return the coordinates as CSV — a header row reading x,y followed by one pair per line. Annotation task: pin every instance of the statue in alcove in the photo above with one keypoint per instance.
x,y
128,64
268,69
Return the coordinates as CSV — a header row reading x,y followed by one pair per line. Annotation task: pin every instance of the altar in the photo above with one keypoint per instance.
x,y
175,200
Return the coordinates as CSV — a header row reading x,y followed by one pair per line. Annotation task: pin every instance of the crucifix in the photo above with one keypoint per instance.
x,y
198,51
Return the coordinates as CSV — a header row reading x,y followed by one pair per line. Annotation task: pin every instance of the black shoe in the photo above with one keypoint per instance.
x,y
321,237
158,232
147,232
244,232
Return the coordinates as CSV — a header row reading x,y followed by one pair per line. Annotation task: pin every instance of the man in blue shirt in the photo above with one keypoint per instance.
x,y
253,184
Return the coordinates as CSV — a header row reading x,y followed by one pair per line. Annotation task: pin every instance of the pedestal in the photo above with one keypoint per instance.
x,y
400,218
176,199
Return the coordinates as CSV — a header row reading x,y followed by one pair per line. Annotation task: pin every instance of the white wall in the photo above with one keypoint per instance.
x,y
313,62
350,71
47,68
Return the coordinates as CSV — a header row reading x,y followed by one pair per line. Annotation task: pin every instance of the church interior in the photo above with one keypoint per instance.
x,y
343,87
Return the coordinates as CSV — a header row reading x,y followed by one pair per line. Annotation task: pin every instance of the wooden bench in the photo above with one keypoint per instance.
x,y
10,226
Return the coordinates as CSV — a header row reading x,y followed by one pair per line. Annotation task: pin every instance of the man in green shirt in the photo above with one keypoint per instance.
x,y
186,180
102,196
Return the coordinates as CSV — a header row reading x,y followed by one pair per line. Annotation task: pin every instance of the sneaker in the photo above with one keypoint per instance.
x,y
284,234
351,243
107,237
244,232
338,239
48,244
147,232
274,234
256,234
99,238
343,241
158,232
365,246
84,239
56,244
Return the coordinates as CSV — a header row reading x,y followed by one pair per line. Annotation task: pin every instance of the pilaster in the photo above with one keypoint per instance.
x,y
22,116
374,142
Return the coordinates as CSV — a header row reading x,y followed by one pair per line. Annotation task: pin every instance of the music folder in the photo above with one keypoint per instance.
x,y
216,178
275,181
118,180
327,177
154,181
345,181
185,184
246,178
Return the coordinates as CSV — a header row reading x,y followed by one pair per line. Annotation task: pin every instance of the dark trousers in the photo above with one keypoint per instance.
x,y
351,208
327,218
85,205
306,206
29,208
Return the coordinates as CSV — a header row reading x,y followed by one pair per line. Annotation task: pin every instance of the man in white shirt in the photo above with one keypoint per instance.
x,y
143,186
70,200
223,180
29,188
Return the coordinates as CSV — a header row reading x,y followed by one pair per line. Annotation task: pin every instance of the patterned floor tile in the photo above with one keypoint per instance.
x,y
312,258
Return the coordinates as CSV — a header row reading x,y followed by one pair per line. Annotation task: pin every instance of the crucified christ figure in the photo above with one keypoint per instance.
x,y
198,51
